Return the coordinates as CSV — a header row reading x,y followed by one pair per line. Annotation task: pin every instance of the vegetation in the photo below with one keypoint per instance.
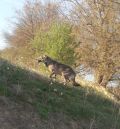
x,y
85,35
88,36
95,108
97,27
54,42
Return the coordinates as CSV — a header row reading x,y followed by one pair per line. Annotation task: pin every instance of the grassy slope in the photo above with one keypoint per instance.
x,y
84,105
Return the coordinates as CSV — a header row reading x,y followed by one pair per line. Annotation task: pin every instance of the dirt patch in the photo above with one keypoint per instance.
x,y
16,116
24,116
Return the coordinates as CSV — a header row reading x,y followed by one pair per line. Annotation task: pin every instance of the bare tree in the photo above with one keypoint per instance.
x,y
97,27
30,19
27,22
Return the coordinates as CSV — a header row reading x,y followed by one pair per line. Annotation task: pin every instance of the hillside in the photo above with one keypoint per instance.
x,y
27,101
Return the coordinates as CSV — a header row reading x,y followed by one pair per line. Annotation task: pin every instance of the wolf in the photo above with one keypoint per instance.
x,y
57,68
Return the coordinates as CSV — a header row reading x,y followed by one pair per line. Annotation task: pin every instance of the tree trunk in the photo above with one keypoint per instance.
x,y
102,79
98,77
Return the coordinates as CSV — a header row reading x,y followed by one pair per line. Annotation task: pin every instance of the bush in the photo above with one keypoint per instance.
x,y
56,42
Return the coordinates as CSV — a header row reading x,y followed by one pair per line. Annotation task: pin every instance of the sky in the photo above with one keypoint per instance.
x,y
7,13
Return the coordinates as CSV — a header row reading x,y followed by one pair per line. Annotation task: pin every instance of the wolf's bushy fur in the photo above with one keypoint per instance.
x,y
57,68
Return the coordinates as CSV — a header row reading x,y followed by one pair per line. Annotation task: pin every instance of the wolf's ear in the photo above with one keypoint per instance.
x,y
40,57
44,56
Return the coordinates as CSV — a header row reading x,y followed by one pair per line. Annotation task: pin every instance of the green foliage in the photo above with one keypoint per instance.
x,y
56,42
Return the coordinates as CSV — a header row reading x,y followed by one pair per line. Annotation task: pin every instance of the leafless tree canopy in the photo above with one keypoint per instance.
x,y
96,25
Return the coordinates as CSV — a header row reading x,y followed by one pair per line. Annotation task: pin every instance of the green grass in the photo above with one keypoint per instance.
x,y
83,103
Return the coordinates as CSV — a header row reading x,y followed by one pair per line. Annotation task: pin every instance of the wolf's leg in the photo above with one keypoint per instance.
x,y
72,79
51,77
65,82
54,77
66,79
74,82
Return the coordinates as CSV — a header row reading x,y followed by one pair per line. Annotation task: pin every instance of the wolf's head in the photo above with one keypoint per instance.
x,y
43,59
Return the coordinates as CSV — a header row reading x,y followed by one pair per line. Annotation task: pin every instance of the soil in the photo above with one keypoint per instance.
x,y
15,115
